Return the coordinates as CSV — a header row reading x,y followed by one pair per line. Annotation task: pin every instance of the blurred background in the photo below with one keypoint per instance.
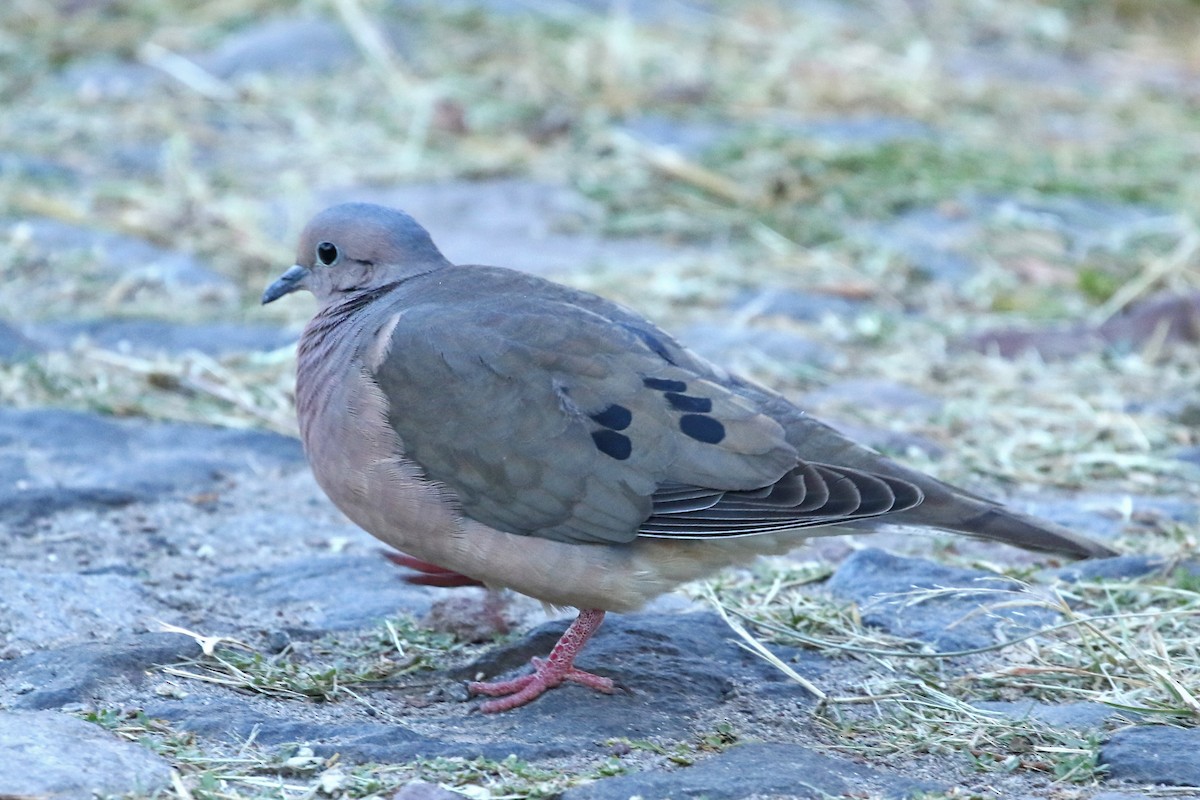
x,y
965,230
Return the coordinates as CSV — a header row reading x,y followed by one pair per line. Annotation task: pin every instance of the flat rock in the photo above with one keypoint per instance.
x,y
115,254
55,460
15,345
1165,319
888,588
516,223
1104,517
1157,754
1081,716
802,306
69,675
742,347
297,46
52,755
48,609
159,336
315,595
936,242
874,392
783,770
673,670
1134,565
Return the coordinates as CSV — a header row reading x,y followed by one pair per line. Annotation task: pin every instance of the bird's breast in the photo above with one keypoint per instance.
x,y
356,456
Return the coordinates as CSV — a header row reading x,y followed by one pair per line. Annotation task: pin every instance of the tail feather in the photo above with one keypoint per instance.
x,y
945,507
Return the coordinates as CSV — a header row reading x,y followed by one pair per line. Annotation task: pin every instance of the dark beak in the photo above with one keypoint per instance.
x,y
286,283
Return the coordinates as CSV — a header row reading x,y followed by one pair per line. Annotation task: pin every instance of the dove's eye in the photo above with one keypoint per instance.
x,y
327,253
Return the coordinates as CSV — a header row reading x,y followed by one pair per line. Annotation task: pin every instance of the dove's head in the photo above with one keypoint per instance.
x,y
354,247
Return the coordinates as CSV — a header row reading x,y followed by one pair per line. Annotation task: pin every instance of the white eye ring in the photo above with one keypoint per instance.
x,y
327,253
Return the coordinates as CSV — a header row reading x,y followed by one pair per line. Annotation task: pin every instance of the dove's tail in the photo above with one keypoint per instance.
x,y
948,509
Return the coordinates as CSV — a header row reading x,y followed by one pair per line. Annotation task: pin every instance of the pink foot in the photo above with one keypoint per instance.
x,y
428,574
550,672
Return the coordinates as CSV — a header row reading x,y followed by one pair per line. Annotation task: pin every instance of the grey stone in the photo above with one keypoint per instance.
x,y
936,243
1081,716
14,345
1154,754
422,790
784,770
671,670
803,306
1086,223
689,137
305,45
1105,516
962,619
1134,565
314,595
52,755
75,459
642,11
55,678
105,79
742,347
860,131
899,443
522,224
116,254
31,168
1164,320
159,336
49,609
874,392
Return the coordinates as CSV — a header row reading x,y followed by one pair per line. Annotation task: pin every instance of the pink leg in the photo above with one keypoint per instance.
x,y
428,574
548,673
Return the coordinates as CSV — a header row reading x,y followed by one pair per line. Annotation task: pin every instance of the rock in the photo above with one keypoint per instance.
x,y
14,345
1164,319
688,137
33,169
802,306
1081,716
935,241
296,46
874,392
673,670
743,347
69,675
421,790
135,262
46,610
783,770
55,756
106,79
71,459
882,584
858,131
1104,516
1120,567
315,595
1157,754
536,227
159,336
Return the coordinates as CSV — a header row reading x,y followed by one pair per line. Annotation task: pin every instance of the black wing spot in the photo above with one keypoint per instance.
x,y
613,444
664,384
615,417
653,342
685,402
702,428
